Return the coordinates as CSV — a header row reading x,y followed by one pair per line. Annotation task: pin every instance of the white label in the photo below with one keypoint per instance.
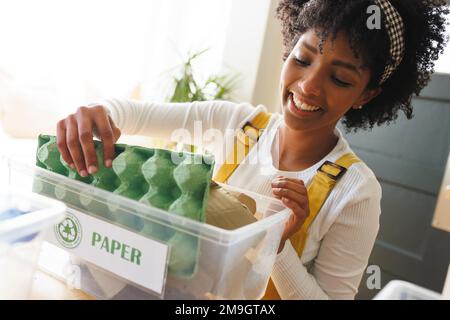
x,y
131,256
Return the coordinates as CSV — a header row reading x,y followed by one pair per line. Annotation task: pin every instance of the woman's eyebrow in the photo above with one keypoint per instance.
x,y
339,63
347,65
309,47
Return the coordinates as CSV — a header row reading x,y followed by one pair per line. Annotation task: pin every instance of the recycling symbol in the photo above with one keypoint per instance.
x,y
68,231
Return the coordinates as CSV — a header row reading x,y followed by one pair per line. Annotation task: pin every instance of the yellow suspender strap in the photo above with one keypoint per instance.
x,y
245,139
323,182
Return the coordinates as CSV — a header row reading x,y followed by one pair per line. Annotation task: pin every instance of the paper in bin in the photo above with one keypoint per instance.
x,y
146,175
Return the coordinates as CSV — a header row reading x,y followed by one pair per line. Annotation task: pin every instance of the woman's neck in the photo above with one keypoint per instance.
x,y
299,150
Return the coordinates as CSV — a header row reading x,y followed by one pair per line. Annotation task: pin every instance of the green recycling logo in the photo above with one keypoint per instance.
x,y
68,231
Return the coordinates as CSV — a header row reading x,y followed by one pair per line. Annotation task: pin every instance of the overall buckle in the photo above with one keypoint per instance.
x,y
342,170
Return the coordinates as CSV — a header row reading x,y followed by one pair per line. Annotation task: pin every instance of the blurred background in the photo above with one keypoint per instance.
x,y
58,55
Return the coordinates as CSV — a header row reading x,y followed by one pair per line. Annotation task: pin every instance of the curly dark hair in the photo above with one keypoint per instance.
x,y
425,40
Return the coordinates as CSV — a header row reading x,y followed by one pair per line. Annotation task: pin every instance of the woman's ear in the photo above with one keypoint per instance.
x,y
366,97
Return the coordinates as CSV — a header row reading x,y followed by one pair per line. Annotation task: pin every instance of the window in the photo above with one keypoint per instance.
x,y
88,49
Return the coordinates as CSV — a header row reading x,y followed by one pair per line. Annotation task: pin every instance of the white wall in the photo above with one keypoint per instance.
x,y
267,84
254,48
443,64
244,42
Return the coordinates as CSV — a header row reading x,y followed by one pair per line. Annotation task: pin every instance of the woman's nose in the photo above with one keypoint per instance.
x,y
310,85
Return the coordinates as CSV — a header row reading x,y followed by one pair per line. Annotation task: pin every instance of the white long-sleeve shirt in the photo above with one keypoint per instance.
x,y
342,235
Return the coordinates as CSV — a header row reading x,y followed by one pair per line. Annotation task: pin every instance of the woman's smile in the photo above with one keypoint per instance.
x,y
301,109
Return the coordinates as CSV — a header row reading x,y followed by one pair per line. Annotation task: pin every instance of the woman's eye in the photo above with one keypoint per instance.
x,y
301,62
341,83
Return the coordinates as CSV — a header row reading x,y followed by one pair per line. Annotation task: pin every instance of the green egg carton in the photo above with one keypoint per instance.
x,y
149,176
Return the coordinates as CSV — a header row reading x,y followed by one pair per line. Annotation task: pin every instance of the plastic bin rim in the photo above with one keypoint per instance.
x,y
389,289
193,227
32,222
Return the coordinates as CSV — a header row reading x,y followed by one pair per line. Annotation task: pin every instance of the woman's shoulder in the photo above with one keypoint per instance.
x,y
235,113
358,188
360,182
245,108
359,177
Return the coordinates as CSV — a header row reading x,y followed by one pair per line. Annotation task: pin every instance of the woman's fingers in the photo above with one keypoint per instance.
x,y
294,195
296,220
291,204
296,186
86,139
105,132
62,143
75,138
116,131
300,198
73,144
300,212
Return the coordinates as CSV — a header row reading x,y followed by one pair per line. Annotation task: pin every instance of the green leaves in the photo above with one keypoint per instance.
x,y
187,89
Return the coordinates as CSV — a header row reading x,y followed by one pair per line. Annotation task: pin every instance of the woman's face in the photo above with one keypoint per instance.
x,y
328,83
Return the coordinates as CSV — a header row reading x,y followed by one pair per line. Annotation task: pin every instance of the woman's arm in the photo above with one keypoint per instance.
x,y
188,123
160,120
342,257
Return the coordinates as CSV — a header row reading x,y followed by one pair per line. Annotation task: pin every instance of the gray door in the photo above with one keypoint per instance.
x,y
409,159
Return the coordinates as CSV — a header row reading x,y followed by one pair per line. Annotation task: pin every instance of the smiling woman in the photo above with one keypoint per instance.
x,y
333,65
370,49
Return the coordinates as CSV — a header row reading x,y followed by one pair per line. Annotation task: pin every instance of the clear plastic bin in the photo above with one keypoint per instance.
x,y
402,290
21,237
230,264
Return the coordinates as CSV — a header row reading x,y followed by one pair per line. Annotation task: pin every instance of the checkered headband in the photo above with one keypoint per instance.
x,y
396,31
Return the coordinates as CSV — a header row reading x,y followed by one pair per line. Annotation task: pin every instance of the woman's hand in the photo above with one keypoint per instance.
x,y
293,194
74,137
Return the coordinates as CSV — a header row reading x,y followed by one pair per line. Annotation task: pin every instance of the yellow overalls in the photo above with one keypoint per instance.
x,y
323,182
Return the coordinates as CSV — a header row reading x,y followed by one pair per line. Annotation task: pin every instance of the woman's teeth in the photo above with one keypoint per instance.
x,y
303,106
